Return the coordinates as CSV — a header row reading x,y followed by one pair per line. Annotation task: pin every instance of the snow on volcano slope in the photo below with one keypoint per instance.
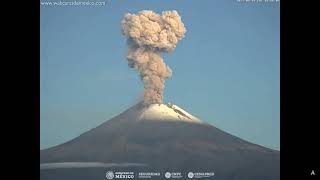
x,y
167,112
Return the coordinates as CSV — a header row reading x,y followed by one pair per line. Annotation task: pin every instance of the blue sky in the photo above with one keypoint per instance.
x,y
226,70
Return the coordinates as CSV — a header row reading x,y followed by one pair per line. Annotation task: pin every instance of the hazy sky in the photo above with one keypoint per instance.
x,y
226,70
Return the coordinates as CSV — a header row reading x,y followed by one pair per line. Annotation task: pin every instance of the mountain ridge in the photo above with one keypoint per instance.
x,y
175,144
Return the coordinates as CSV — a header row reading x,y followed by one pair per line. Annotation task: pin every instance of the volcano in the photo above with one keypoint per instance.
x,y
158,138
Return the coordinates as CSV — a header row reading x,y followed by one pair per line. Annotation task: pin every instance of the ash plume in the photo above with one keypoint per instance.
x,y
148,35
